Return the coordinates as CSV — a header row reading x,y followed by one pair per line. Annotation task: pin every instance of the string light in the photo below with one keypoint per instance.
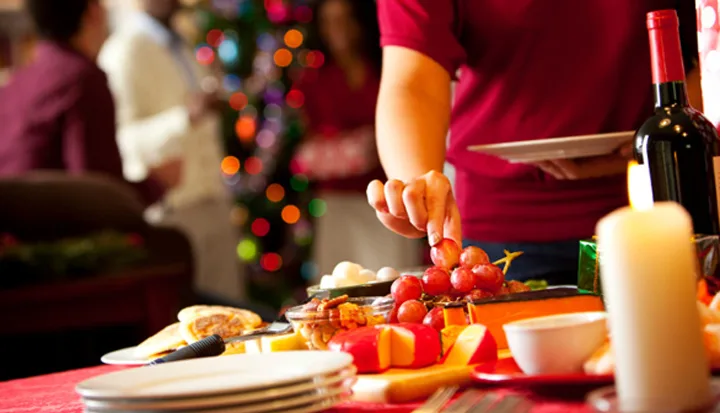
x,y
245,128
275,192
260,227
253,165
247,250
271,262
205,55
303,14
299,183
238,101
293,38
215,37
265,139
317,207
230,165
282,57
309,270
295,99
315,59
290,214
239,215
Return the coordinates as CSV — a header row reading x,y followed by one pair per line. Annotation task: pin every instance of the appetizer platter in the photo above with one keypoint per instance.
x,y
423,331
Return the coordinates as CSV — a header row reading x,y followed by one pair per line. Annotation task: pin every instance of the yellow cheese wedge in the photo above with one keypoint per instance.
x,y
253,346
283,342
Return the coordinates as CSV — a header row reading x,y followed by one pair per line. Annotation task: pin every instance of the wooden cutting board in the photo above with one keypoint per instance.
x,y
405,385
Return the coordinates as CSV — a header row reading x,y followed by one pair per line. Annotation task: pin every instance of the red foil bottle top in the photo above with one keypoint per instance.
x,y
665,51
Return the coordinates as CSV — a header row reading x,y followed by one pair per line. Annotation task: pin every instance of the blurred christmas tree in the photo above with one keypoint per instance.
x,y
261,47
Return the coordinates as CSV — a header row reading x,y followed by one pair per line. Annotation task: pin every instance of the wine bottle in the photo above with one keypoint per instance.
x,y
678,146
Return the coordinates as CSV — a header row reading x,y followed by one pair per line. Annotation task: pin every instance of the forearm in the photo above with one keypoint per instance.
x,y
413,113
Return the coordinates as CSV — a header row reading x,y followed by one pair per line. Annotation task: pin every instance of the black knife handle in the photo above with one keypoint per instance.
x,y
207,347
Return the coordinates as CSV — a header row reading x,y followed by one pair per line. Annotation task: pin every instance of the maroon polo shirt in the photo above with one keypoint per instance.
x,y
58,113
534,69
332,108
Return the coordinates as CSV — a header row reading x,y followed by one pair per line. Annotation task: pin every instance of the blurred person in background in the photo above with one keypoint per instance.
x,y
338,152
58,113
525,70
163,113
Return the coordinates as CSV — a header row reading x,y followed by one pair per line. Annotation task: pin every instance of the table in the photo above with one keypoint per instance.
x,y
55,393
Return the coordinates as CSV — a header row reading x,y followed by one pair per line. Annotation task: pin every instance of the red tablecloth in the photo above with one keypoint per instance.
x,y
55,393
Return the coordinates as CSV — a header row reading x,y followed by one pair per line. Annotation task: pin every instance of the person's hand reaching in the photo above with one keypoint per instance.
x,y
585,168
422,206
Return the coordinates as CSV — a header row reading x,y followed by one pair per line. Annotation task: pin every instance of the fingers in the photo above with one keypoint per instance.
x,y
399,226
413,197
436,197
376,196
394,198
452,227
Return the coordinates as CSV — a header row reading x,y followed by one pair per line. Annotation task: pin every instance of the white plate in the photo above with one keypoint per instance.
x,y
304,404
214,375
124,357
556,148
342,379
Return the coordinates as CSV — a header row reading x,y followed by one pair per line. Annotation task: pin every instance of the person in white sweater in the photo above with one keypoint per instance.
x,y
162,114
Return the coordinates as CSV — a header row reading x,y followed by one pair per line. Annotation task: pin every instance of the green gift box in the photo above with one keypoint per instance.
x,y
707,246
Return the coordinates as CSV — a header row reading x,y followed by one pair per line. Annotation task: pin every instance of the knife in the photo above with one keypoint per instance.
x,y
214,345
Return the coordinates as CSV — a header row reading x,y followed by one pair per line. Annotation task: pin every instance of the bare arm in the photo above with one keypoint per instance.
x,y
413,114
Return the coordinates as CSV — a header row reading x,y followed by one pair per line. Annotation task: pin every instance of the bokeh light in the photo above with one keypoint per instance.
x,y
302,233
239,215
290,214
295,98
317,207
315,59
293,38
231,83
271,261
265,139
247,250
205,55
238,101
245,128
283,57
230,165
260,227
229,51
275,192
215,37
253,165
299,182
303,14
309,270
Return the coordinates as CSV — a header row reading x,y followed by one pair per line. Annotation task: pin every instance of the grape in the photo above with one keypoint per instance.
x,y
478,295
412,311
407,287
488,277
472,256
435,319
436,281
462,280
445,254
392,317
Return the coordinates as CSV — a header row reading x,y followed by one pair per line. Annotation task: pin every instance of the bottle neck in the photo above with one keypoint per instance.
x,y
670,94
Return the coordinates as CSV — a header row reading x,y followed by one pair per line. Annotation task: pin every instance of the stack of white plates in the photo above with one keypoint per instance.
x,y
293,381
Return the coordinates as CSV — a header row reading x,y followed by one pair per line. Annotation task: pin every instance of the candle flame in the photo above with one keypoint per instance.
x,y
639,187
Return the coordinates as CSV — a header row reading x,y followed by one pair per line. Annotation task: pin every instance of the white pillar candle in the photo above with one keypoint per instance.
x,y
648,271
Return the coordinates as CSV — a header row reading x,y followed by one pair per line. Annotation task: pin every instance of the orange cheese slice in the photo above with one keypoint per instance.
x,y
495,312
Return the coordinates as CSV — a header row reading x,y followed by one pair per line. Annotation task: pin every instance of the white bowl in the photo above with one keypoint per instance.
x,y
557,344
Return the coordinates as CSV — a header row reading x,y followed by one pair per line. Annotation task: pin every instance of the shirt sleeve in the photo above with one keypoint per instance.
x,y
144,141
687,14
429,27
88,137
